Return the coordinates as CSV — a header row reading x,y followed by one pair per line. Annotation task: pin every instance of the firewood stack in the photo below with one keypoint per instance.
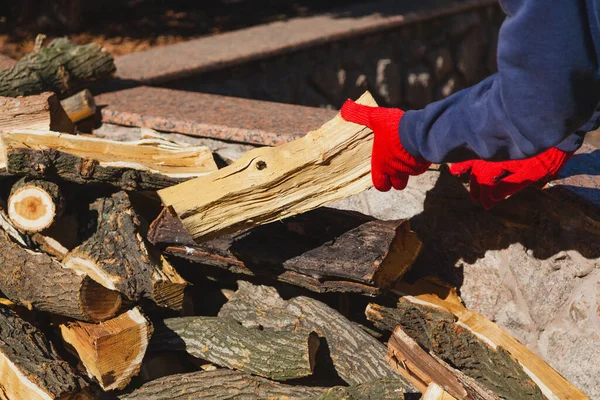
x,y
139,270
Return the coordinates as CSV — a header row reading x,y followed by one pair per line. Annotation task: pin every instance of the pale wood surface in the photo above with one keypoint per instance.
x,y
42,111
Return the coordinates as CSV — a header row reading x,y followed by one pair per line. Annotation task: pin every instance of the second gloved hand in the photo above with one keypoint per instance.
x,y
391,164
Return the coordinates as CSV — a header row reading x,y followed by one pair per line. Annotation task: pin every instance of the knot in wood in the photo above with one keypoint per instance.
x,y
260,165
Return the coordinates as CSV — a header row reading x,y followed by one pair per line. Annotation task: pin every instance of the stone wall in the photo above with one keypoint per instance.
x,y
408,66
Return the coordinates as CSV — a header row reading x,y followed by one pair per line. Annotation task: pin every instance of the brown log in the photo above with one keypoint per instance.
x,y
30,368
43,112
279,356
37,281
111,351
324,250
119,258
380,389
435,392
79,106
35,204
356,355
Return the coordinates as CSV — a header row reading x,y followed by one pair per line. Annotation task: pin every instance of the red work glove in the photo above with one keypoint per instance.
x,y
391,164
492,182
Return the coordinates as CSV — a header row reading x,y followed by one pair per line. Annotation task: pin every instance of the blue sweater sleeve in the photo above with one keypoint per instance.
x,y
546,88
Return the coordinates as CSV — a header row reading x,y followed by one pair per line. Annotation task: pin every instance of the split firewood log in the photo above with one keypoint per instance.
x,y
271,183
111,351
79,106
35,204
435,392
62,67
30,368
118,257
323,250
37,281
384,389
59,239
279,356
147,164
357,356
43,112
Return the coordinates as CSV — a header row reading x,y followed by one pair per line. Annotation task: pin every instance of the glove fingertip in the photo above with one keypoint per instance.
x,y
400,182
381,182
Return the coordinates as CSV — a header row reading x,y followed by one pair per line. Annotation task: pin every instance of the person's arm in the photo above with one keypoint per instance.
x,y
547,86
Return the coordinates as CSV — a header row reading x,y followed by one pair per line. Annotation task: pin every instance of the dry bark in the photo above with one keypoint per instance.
x,y
111,351
43,111
270,184
324,250
62,67
279,356
380,389
37,281
34,204
79,106
30,367
119,258
220,384
356,355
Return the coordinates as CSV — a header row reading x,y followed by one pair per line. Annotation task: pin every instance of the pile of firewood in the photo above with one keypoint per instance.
x,y
140,270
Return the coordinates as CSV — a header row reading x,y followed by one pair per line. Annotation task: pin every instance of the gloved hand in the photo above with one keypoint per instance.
x,y
492,182
391,164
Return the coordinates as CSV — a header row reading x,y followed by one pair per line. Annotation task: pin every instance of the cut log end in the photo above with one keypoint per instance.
x,y
80,106
34,206
98,302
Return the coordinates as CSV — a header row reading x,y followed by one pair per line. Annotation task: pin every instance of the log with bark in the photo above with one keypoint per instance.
x,y
118,257
357,356
323,250
30,368
43,112
141,165
37,281
269,184
380,389
79,106
279,356
35,204
59,239
111,351
62,67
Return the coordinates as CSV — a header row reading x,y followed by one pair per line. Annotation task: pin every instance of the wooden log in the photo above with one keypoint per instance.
x,y
356,355
59,239
35,204
30,368
219,384
323,250
56,290
79,106
392,389
435,392
279,356
111,351
436,330
119,258
433,295
62,67
141,165
269,184
43,112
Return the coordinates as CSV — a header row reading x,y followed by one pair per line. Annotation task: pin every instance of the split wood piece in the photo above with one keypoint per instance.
x,y
219,384
432,295
421,369
111,351
35,204
59,239
323,250
37,281
30,368
147,164
79,106
43,112
8,227
269,184
119,258
436,330
380,389
62,67
435,392
279,356
356,355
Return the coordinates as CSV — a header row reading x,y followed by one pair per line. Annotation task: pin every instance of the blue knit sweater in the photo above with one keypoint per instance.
x,y
544,95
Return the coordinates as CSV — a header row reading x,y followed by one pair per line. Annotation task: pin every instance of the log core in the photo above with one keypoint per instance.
x,y
34,205
98,302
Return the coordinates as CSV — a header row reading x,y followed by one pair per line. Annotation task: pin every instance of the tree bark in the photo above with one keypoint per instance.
x,y
79,106
62,67
30,367
119,258
43,111
220,384
356,355
111,351
37,281
380,389
274,355
270,184
35,205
